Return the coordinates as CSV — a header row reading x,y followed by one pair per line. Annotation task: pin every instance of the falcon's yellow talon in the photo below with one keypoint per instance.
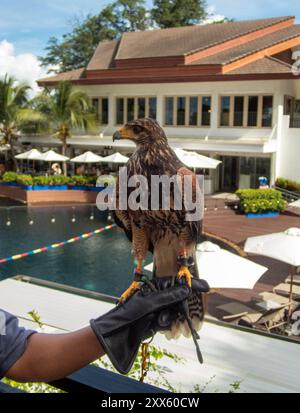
x,y
185,272
128,293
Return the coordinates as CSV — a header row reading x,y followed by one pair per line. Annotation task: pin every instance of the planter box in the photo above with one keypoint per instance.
x,y
26,187
41,187
97,188
10,184
58,187
79,188
263,215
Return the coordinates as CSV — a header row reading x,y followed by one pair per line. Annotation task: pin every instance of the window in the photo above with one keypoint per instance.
x,y
193,111
187,110
246,111
141,108
238,119
130,109
206,110
267,111
252,110
104,111
95,106
152,108
181,111
225,111
120,111
169,119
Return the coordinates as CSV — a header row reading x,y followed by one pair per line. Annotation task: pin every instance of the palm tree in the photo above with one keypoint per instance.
x,y
15,112
66,108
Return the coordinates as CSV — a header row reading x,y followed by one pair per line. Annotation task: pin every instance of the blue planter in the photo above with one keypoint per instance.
x,y
264,215
97,188
10,183
79,188
41,187
27,187
58,187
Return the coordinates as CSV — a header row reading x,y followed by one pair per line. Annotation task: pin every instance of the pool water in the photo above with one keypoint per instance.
x,y
102,263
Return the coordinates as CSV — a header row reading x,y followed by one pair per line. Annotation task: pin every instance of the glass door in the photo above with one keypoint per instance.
x,y
229,175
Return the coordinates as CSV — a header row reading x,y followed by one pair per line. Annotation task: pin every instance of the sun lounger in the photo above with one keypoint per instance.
x,y
270,319
285,289
296,279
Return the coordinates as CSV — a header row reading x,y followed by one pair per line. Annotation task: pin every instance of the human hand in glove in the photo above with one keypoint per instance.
x,y
122,330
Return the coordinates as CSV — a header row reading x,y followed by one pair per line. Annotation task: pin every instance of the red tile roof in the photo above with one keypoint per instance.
x,y
266,65
185,40
104,56
191,52
248,48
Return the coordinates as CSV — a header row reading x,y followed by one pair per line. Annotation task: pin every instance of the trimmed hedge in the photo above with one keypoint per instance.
x,y
52,180
25,180
257,201
288,184
10,177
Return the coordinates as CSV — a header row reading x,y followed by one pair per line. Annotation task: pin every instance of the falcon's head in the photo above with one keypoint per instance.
x,y
142,132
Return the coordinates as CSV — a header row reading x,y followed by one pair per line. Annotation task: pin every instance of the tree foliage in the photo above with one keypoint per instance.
x,y
176,13
77,47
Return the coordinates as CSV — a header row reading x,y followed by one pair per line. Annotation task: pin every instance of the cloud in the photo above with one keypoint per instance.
x,y
212,15
23,67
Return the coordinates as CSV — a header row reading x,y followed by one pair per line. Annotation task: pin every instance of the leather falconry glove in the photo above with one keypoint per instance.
x,y
126,326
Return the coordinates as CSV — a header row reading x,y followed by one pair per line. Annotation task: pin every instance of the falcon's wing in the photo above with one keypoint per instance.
x,y
194,227
122,217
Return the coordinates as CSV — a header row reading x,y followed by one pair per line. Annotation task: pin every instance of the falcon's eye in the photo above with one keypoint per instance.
x,y
137,129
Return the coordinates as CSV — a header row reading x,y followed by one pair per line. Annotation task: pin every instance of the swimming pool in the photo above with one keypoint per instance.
x,y
102,263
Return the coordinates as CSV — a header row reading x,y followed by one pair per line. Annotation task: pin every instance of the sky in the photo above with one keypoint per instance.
x,y
26,25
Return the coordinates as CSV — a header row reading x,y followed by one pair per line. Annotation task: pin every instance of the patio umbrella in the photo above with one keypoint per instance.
x,y
87,157
223,269
282,246
32,155
4,148
52,156
115,158
295,204
195,160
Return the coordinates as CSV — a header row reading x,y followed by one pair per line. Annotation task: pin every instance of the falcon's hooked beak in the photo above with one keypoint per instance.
x,y
122,133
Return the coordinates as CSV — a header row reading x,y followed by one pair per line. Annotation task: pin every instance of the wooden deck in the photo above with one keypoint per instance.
x,y
236,227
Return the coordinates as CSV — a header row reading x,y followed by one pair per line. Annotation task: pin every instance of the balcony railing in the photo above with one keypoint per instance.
x,y
92,379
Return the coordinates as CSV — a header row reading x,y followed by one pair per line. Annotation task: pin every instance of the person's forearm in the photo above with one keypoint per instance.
x,y
50,357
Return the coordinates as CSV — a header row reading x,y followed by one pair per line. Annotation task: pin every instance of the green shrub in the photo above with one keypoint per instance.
x,y
260,200
79,180
25,180
59,180
41,180
83,180
288,184
10,177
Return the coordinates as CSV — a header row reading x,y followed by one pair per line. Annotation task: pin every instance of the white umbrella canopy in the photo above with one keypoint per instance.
x,y
195,160
282,246
4,148
87,157
223,269
115,158
295,204
32,155
52,156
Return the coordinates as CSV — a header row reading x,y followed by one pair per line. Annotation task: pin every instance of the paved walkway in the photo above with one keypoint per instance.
x,y
236,227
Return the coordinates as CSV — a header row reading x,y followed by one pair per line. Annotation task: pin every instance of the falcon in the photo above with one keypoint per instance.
x,y
165,232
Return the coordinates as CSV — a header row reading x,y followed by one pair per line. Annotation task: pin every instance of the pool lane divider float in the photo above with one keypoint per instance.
x,y
60,244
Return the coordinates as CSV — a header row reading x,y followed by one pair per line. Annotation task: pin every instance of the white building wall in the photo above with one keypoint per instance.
x,y
290,152
214,89
284,161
